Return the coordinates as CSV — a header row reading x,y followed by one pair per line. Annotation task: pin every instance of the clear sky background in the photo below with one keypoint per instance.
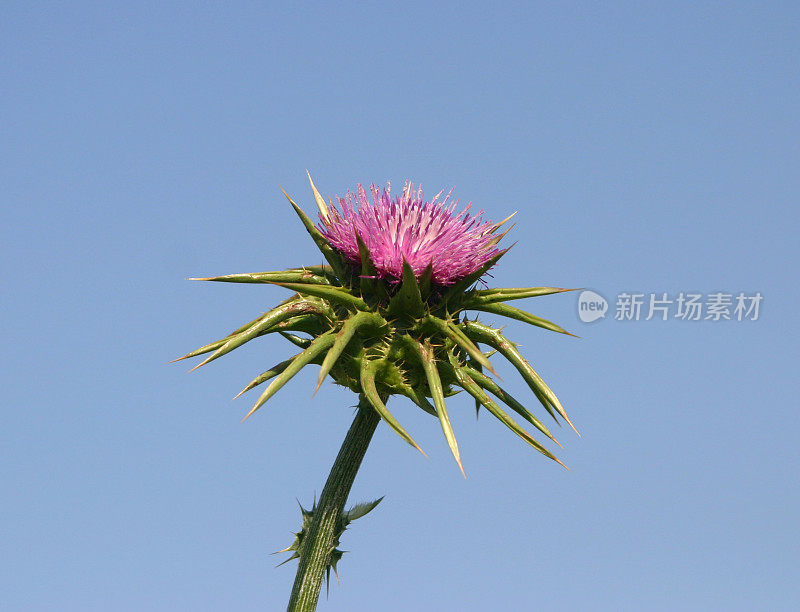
x,y
646,148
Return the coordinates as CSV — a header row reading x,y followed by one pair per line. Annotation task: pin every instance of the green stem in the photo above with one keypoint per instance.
x,y
316,552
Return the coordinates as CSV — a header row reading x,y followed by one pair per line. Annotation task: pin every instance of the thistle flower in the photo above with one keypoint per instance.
x,y
387,315
409,229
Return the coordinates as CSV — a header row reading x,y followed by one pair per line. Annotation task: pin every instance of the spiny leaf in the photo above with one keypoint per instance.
x,y
314,324
332,294
476,330
546,403
504,310
265,376
317,347
270,319
489,296
483,333
218,343
479,394
418,398
344,336
359,510
495,339
323,270
295,555
332,255
453,332
309,323
323,208
368,369
286,276
407,301
435,384
477,367
495,389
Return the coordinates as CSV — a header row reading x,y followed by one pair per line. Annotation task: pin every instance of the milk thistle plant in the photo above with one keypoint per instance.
x,y
388,315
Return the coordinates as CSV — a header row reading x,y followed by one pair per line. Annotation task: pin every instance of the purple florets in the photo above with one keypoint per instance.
x,y
407,227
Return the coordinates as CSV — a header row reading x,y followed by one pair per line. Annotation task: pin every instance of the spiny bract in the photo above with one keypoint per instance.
x,y
391,318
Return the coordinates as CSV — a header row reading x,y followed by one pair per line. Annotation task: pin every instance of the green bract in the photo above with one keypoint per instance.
x,y
379,339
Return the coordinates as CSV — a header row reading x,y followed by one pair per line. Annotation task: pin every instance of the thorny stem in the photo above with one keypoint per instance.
x,y
316,552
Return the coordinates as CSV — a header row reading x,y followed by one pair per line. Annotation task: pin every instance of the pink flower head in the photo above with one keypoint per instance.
x,y
409,228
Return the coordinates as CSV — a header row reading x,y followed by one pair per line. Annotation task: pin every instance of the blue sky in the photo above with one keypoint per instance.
x,y
647,149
